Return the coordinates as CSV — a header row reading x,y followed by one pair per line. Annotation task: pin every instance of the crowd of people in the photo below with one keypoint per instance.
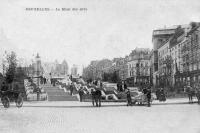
x,y
193,91
96,88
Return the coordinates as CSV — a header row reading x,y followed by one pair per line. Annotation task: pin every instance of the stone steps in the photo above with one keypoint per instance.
x,y
62,98
56,94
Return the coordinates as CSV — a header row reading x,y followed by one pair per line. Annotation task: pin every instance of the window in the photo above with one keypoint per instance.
x,y
199,66
195,67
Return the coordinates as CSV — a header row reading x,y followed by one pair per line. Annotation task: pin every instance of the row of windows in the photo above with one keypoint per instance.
x,y
164,51
191,67
142,73
139,65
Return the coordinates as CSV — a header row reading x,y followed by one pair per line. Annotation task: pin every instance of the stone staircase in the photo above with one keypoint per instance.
x,y
56,94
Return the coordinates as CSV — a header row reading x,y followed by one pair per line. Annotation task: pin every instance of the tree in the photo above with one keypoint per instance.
x,y
12,64
20,74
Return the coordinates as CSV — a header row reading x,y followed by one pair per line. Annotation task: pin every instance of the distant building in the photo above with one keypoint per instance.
x,y
56,69
74,70
35,68
139,67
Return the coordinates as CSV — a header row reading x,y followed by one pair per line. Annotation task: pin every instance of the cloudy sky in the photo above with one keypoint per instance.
x,y
107,29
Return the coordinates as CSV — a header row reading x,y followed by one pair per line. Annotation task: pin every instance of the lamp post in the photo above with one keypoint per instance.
x,y
38,64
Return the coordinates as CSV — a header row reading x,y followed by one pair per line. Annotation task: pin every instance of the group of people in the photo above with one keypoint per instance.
x,y
146,92
95,86
121,86
43,80
96,93
160,94
192,91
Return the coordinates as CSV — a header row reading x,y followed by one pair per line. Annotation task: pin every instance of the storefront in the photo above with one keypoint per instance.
x,y
187,78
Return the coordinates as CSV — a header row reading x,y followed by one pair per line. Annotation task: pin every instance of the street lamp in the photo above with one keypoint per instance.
x,y
38,64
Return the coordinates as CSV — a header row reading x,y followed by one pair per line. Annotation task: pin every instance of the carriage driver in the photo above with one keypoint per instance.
x,y
4,87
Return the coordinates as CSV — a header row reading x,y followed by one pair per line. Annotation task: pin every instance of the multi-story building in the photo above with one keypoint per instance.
x,y
164,64
166,51
151,67
120,67
139,67
159,37
190,53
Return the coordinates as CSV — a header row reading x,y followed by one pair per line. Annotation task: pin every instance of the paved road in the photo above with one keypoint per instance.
x,y
76,117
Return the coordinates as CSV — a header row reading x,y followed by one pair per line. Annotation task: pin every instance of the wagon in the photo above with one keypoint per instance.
x,y
140,98
11,96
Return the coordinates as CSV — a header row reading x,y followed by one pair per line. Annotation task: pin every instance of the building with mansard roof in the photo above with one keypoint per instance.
x,y
138,65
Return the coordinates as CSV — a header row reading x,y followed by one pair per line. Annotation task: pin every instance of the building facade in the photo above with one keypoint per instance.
x,y
139,67
159,37
74,70
190,53
167,53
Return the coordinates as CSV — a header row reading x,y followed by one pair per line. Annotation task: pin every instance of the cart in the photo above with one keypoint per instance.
x,y
141,99
11,96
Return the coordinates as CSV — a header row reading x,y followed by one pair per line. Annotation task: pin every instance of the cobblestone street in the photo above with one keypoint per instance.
x,y
76,117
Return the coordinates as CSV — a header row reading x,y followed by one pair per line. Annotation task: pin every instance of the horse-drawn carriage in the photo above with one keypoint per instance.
x,y
10,95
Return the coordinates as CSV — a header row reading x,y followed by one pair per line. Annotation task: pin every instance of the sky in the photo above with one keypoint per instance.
x,y
107,29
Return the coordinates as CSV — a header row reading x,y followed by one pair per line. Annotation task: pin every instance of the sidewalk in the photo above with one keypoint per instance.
x,y
77,104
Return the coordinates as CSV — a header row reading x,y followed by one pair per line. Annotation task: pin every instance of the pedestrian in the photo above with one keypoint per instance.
x,y
148,94
162,96
128,96
71,89
145,90
101,84
118,89
125,86
96,82
98,97
81,94
158,94
45,80
190,92
93,96
120,86
51,80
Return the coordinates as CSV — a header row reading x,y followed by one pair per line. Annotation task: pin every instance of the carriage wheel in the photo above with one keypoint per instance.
x,y
5,101
19,101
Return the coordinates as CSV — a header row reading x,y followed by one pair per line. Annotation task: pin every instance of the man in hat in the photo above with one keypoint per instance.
x,y
148,94
128,96
98,97
93,96
80,92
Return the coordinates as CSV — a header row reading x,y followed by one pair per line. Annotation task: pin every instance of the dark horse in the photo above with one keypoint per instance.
x,y
96,97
